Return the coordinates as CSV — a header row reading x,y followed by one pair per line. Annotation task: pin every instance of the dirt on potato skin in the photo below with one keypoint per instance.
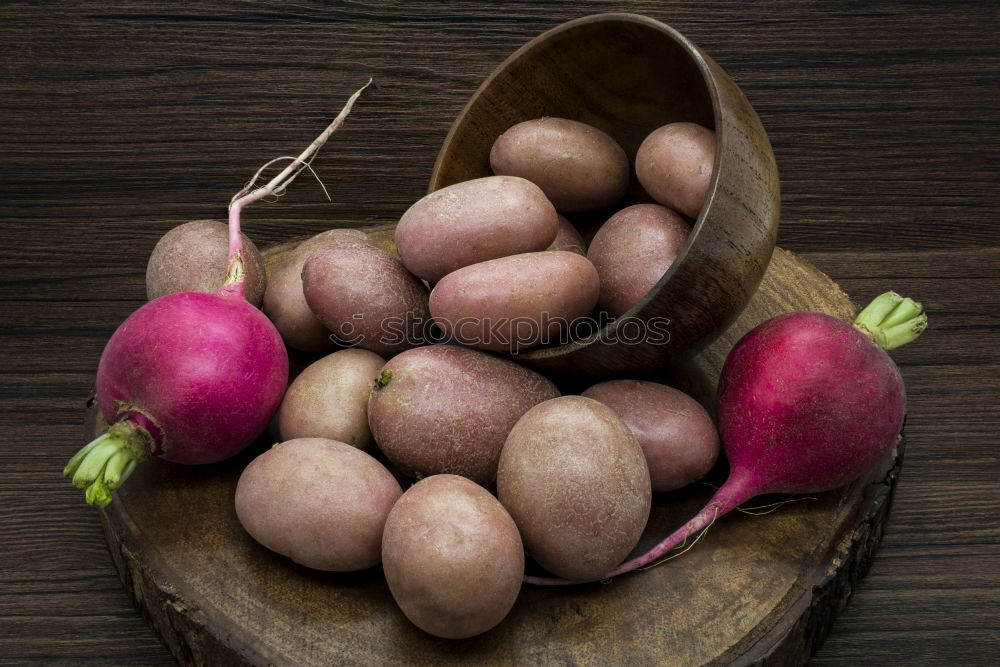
x,y
452,556
285,302
194,257
632,251
448,409
474,221
577,166
320,502
329,399
367,298
575,481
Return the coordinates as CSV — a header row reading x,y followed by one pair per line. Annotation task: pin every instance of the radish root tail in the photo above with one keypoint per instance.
x,y
277,185
683,549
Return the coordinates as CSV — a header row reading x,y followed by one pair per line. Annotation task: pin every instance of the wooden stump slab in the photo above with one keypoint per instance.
x,y
757,589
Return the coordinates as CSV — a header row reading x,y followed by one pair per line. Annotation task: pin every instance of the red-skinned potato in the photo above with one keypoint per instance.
x,y
577,166
472,222
448,409
568,238
366,297
575,482
329,399
285,303
632,251
192,257
516,302
674,164
676,433
452,556
320,502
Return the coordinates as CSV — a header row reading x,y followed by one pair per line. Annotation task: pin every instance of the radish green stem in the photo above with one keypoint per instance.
x,y
892,320
878,309
276,186
113,470
104,464
74,462
904,311
92,465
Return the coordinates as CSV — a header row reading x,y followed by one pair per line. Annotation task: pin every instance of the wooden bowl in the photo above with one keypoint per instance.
x,y
627,75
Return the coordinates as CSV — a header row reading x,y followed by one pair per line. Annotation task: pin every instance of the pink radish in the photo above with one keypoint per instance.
x,y
806,403
190,377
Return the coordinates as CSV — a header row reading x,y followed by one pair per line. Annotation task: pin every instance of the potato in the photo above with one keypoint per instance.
x,y
676,434
329,237
568,238
472,222
329,399
674,164
193,257
366,297
578,167
452,556
516,302
575,481
632,251
285,303
320,502
448,409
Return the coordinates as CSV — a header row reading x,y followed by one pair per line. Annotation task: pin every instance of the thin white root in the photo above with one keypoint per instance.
x,y
319,180
683,549
761,510
277,185
253,181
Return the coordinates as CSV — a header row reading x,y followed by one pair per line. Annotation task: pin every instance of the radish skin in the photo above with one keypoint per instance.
x,y
795,409
189,377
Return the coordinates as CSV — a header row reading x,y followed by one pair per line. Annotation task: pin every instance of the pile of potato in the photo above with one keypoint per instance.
x,y
504,464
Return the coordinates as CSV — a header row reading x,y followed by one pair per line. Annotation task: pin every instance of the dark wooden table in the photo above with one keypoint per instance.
x,y
121,120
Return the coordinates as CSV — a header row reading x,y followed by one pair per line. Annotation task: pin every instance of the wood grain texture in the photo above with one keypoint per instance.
x,y
120,121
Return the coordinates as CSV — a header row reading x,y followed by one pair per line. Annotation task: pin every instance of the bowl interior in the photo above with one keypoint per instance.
x,y
623,74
